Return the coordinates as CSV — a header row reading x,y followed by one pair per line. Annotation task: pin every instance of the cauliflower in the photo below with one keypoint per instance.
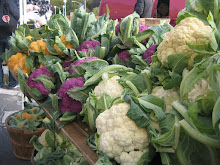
x,y
111,87
169,95
119,137
38,46
86,45
42,80
124,56
191,30
67,103
149,52
47,138
199,90
18,61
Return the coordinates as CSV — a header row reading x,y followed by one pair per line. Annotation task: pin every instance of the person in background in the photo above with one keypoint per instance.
x,y
144,8
9,16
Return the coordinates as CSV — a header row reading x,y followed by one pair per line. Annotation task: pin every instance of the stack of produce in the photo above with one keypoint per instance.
x,y
146,92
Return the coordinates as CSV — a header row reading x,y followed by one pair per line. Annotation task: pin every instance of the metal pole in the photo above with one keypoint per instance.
x,y
55,9
64,7
25,10
21,12
85,4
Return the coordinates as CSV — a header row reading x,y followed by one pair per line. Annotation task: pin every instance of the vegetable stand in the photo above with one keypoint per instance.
x,y
77,132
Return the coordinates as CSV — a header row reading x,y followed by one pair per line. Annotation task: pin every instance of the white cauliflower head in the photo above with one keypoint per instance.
x,y
198,90
111,86
169,96
191,30
119,137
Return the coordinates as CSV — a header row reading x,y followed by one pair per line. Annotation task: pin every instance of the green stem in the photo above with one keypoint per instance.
x,y
98,75
199,136
133,88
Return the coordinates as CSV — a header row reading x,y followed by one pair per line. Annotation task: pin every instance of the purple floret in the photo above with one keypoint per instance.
x,y
143,28
149,52
117,29
67,103
79,62
124,56
67,62
40,86
88,44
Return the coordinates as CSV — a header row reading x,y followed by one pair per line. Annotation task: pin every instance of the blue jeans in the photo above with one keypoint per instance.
x,y
12,81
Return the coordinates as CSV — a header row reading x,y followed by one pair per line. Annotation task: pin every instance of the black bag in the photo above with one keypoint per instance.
x,y
8,22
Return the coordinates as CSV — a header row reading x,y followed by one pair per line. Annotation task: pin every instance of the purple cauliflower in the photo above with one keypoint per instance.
x,y
86,45
35,81
67,103
143,28
149,52
79,62
67,62
124,56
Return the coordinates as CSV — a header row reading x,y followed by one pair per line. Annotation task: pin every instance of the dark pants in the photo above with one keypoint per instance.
x,y
12,81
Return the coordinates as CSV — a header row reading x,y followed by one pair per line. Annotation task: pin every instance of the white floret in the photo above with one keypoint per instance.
x,y
169,95
130,158
119,134
198,90
112,87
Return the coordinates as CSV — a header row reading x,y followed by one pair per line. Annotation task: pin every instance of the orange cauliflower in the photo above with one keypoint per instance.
x,y
29,37
68,45
18,61
57,50
39,45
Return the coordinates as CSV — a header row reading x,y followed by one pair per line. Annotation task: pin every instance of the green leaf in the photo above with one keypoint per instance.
x,y
105,102
97,28
195,134
174,81
72,38
203,123
46,80
60,23
136,113
177,62
216,117
80,93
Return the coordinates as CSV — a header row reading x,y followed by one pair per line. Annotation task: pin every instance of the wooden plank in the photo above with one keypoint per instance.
x,y
77,132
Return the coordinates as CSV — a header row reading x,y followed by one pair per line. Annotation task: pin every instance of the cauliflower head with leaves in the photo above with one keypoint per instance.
x,y
66,103
38,46
110,86
119,137
191,30
18,61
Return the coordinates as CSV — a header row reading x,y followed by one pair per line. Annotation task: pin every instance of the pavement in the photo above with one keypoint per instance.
x,y
11,100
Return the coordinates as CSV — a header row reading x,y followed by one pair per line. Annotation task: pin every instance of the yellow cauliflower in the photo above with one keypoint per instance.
x,y
39,45
68,45
29,37
18,61
191,30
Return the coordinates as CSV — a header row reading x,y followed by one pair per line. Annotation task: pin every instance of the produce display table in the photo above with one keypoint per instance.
x,y
77,132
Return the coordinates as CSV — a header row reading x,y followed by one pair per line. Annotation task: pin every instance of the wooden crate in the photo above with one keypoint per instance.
x,y
153,21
